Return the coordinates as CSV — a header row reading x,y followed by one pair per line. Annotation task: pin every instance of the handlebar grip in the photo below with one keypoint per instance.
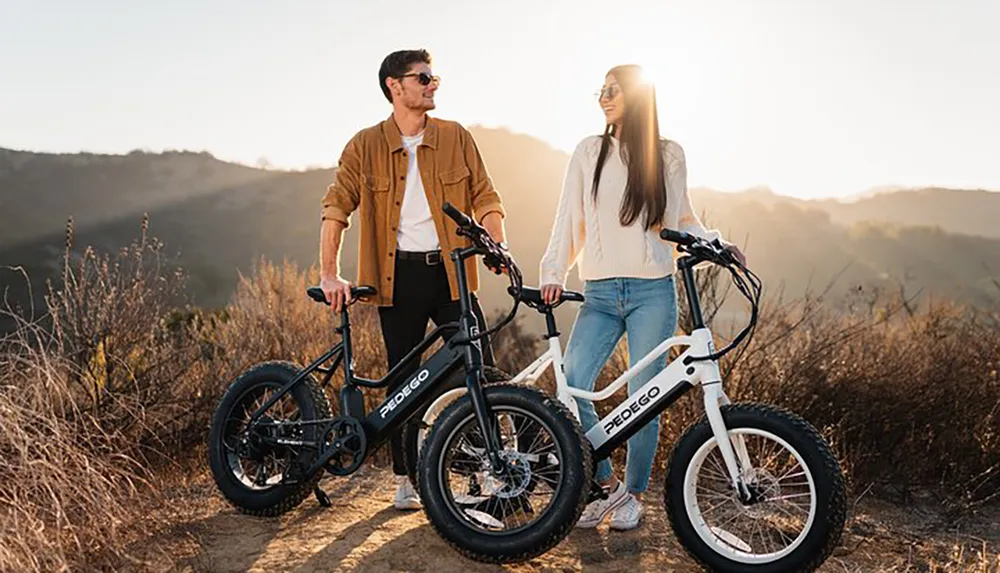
x,y
678,237
459,217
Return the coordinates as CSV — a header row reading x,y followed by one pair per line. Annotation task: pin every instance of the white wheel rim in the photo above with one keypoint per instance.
x,y
718,537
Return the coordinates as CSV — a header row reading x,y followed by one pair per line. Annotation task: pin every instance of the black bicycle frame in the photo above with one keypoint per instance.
x,y
408,397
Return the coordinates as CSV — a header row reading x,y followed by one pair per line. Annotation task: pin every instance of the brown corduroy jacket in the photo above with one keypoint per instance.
x,y
369,185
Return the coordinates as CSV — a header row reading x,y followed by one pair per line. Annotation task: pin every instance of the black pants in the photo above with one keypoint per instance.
x,y
421,294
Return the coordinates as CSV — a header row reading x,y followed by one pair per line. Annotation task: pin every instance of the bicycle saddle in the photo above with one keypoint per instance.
x,y
357,292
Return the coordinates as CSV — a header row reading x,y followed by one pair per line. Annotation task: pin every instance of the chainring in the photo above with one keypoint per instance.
x,y
346,438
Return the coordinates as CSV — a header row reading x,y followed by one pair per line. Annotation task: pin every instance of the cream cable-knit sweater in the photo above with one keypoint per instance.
x,y
592,236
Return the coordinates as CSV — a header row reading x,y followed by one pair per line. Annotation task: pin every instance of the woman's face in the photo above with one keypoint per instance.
x,y
612,100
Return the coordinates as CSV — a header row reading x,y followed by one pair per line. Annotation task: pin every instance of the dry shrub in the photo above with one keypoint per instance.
x,y
909,399
89,393
68,483
113,322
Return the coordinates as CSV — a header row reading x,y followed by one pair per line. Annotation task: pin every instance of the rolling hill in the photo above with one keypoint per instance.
x,y
219,218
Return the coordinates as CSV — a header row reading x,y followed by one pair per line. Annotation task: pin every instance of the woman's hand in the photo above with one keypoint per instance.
x,y
551,293
736,253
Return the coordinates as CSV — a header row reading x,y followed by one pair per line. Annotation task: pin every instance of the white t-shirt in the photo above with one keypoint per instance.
x,y
416,227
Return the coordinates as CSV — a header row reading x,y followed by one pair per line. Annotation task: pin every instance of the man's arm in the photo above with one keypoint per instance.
x,y
341,199
331,235
486,203
493,223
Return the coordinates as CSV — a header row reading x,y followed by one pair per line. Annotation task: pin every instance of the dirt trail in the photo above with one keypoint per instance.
x,y
363,532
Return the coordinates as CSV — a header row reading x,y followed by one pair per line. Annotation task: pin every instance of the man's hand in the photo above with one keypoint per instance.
x,y
493,223
496,264
551,293
337,291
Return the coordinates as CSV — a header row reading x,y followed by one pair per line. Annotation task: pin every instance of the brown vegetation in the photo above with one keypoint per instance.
x,y
118,382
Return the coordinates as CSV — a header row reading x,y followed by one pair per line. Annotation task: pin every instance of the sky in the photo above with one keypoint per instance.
x,y
812,98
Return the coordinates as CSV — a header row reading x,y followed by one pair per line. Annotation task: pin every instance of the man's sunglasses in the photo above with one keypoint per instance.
x,y
423,77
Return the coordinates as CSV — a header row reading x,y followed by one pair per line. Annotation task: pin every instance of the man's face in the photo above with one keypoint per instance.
x,y
410,92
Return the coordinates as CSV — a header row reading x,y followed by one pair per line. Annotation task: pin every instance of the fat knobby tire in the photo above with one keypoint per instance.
x,y
562,513
831,510
312,404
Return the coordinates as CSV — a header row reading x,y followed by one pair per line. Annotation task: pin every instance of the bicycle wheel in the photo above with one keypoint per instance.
x,y
534,504
257,478
797,507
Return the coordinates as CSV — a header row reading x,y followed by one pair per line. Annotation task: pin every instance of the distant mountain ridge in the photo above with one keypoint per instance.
x,y
220,217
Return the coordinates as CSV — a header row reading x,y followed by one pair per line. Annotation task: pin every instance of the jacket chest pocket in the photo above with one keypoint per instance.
x,y
376,184
455,186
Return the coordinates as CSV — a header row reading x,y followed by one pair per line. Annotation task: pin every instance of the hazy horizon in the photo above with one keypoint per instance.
x,y
808,99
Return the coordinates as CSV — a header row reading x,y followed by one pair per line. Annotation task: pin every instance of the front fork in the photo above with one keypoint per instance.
x,y
733,448
468,326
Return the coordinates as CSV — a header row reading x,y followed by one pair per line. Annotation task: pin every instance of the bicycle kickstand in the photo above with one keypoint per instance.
x,y
321,496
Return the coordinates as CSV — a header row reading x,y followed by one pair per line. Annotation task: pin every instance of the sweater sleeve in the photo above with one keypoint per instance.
x,y
568,230
687,220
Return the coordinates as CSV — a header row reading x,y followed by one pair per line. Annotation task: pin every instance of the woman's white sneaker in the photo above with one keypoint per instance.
x,y
627,515
597,510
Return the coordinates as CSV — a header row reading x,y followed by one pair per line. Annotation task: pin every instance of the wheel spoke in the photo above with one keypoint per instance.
x,y
764,526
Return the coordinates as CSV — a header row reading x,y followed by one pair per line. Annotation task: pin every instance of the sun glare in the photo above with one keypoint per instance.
x,y
650,76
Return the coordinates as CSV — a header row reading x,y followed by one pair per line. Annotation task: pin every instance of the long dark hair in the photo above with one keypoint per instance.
x,y
641,149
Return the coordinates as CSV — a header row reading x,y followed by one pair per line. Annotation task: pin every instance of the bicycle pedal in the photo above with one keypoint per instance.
x,y
321,497
597,491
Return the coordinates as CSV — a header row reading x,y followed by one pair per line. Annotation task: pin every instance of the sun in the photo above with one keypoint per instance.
x,y
650,75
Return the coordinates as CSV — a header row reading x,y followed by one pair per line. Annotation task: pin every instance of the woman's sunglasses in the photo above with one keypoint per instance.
x,y
607,93
423,77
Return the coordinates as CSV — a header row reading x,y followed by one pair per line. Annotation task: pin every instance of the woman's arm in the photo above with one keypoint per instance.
x,y
687,220
568,230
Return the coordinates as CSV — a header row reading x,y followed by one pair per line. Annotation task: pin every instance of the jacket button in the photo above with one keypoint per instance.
x,y
388,278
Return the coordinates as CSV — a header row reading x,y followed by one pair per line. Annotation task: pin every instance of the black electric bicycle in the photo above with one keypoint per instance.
x,y
504,472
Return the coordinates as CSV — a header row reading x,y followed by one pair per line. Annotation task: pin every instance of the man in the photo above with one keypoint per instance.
x,y
397,175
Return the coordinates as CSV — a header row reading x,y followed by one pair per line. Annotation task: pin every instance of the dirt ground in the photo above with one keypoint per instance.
x,y
363,532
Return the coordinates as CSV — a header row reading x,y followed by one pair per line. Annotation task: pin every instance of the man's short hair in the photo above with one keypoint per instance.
x,y
397,64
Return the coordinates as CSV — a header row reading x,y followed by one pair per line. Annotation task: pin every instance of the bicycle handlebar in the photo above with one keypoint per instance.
x,y
488,247
749,284
459,217
679,237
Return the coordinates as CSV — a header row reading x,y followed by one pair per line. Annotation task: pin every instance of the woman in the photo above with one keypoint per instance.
x,y
620,189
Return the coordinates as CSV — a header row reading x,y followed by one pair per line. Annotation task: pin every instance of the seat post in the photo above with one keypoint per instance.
x,y
345,334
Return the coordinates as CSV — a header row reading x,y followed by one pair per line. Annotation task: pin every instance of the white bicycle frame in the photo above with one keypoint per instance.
x,y
649,401
652,398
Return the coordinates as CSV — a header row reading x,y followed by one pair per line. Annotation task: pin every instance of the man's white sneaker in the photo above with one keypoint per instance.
x,y
597,510
406,496
627,516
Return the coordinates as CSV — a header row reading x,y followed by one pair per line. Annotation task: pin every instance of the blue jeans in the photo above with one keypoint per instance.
x,y
646,309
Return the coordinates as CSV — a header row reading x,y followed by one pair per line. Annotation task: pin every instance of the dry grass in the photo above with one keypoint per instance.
x,y
85,402
119,380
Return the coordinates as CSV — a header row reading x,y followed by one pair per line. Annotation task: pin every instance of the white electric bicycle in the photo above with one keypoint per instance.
x,y
750,487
